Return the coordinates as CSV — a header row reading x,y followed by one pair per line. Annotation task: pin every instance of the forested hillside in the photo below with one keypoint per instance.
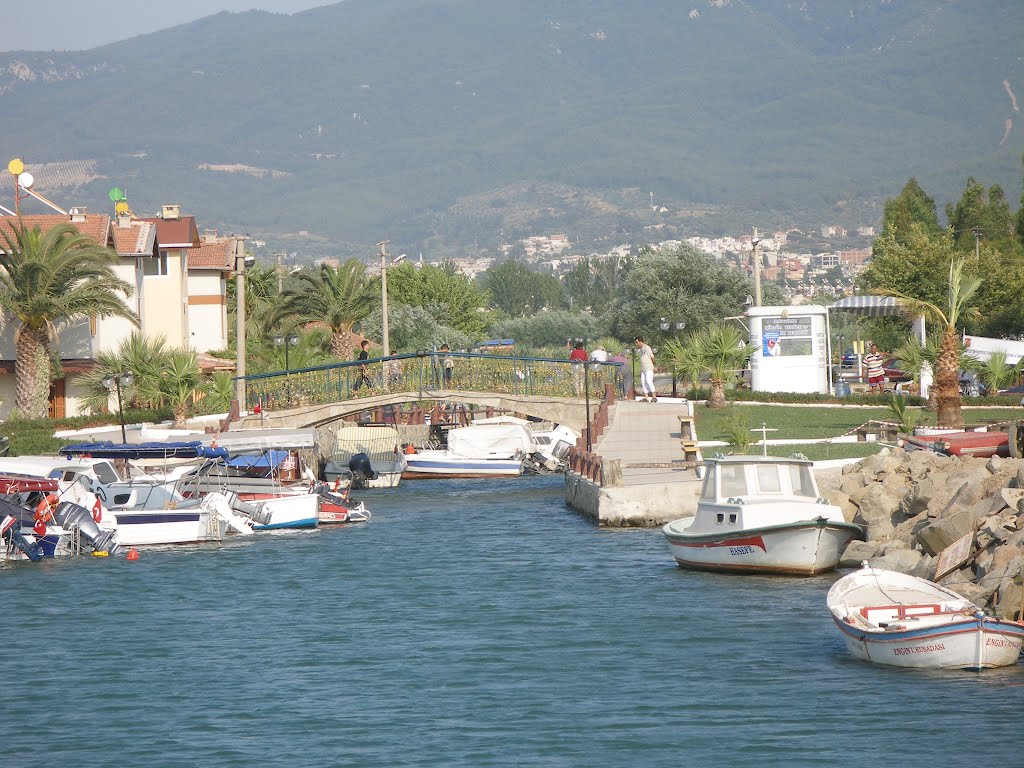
x,y
452,125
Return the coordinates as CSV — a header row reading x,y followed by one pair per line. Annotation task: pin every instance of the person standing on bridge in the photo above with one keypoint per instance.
x,y
646,369
364,368
448,363
578,357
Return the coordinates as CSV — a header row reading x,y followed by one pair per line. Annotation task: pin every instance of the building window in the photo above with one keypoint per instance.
x,y
152,267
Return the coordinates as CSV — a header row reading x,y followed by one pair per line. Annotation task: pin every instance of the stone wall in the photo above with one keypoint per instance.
x,y
915,504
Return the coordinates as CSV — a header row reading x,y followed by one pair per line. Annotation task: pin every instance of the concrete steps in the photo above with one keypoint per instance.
x,y
643,433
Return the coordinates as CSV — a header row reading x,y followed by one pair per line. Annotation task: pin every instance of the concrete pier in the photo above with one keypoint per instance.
x,y
648,480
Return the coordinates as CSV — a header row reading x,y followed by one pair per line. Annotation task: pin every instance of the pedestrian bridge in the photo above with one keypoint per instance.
x,y
549,389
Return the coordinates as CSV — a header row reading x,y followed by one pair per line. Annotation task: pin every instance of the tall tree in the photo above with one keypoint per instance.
x,y
910,206
454,300
718,350
960,292
517,290
48,279
340,298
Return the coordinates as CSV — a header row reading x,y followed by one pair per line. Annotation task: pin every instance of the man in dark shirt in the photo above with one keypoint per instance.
x,y
364,369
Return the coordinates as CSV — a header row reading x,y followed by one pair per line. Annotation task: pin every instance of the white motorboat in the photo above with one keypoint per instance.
x,y
760,514
379,445
903,621
478,450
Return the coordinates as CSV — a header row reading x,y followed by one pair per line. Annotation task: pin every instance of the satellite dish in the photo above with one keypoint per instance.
x,y
26,180
116,195
16,166
121,207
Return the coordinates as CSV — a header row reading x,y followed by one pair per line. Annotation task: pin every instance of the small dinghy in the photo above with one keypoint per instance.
x,y
892,618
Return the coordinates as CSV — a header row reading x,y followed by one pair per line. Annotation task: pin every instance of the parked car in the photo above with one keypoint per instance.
x,y
893,372
849,358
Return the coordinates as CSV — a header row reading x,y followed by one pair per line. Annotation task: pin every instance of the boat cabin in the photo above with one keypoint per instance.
x,y
745,479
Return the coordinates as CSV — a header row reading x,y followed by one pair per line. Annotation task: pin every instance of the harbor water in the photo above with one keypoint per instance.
x,y
469,623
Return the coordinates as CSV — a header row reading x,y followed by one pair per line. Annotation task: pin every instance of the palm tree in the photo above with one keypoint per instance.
x,y
59,276
338,297
686,360
180,384
995,373
143,357
960,290
718,350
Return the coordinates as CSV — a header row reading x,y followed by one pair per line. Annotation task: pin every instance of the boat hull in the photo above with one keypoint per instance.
x,y
136,528
803,548
973,642
295,511
422,465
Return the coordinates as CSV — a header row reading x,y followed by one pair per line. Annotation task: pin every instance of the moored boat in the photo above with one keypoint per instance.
x,y
904,621
444,463
982,444
760,514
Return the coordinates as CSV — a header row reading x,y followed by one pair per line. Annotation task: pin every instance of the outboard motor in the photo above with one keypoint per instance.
x,y
361,469
70,515
10,531
256,514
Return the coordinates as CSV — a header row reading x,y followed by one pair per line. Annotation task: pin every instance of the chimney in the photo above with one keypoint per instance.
x,y
170,212
77,215
124,220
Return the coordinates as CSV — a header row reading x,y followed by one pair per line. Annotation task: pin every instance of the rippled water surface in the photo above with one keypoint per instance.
x,y
470,623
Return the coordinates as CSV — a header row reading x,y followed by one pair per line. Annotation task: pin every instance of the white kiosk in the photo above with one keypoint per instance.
x,y
789,349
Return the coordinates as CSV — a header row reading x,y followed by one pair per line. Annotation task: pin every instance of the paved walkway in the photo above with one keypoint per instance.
x,y
645,437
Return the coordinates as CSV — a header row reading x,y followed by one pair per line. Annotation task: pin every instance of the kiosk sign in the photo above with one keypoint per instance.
x,y
785,336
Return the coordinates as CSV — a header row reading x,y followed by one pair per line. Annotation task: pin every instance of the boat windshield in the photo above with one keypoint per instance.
x,y
734,480
802,481
707,492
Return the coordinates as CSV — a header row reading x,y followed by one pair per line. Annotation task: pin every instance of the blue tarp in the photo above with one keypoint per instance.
x,y
109,450
265,460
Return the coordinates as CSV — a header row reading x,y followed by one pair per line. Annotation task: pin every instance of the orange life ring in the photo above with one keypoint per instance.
x,y
44,509
97,511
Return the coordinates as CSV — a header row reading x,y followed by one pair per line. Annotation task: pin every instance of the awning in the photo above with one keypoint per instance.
x,y
869,306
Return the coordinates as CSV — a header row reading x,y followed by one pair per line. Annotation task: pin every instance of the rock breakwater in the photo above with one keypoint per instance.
x,y
915,504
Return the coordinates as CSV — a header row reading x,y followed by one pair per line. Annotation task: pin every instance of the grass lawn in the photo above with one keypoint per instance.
x,y
818,422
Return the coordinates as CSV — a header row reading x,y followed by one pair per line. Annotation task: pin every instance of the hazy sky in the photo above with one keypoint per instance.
x,y
46,25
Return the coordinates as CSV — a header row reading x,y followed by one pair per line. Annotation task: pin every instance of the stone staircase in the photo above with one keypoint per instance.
x,y
646,440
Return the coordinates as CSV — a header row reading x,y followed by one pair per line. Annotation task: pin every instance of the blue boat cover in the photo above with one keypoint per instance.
x,y
266,460
109,450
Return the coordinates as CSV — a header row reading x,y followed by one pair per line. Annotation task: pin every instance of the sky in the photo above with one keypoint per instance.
x,y
46,25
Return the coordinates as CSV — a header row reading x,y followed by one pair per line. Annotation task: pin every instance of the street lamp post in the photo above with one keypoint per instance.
x,y
113,383
385,340
677,326
286,341
242,261
977,243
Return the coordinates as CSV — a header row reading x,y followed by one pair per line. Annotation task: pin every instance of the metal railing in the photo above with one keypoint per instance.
x,y
425,373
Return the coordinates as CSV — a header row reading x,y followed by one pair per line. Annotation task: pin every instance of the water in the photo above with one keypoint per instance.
x,y
470,623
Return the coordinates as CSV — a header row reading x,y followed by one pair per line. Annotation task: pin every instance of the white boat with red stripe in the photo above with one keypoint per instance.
x,y
892,618
761,514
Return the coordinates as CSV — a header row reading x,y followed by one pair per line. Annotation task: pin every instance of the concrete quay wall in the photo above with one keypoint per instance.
x,y
630,506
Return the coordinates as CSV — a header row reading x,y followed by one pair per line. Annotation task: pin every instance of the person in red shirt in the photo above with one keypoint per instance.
x,y
579,357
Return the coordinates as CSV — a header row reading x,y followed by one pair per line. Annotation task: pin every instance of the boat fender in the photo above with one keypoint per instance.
x,y
410,449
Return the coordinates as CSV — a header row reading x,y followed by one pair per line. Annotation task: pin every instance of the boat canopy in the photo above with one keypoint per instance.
x,y
109,450
266,460
249,440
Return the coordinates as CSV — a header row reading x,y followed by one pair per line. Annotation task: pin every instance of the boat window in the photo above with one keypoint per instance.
x,y
105,473
734,480
768,480
707,492
802,481
732,518
721,517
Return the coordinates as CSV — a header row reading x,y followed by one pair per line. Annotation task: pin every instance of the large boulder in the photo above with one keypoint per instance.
x,y
939,534
902,560
841,500
875,510
856,553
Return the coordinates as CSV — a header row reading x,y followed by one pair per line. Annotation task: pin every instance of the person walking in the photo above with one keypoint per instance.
x,y
448,363
578,356
646,369
874,370
364,368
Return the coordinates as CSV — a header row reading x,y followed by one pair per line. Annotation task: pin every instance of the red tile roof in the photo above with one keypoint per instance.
x,y
176,233
213,253
137,238
96,225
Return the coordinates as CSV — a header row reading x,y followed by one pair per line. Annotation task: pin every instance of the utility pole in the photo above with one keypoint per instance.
x,y
280,272
384,295
241,262
757,269
977,243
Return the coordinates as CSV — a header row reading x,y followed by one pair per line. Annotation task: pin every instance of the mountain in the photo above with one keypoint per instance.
x,y
453,125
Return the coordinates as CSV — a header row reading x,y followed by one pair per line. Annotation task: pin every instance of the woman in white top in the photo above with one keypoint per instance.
x,y
646,370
